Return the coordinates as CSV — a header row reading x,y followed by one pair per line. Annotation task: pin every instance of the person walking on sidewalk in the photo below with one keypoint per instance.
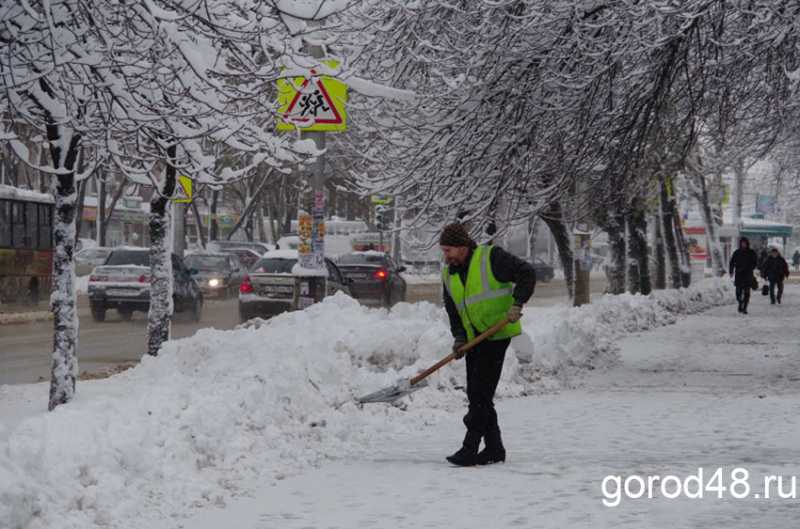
x,y
478,294
776,270
796,259
743,261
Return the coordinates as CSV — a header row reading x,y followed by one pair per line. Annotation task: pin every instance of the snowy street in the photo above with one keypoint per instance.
x,y
715,390
231,232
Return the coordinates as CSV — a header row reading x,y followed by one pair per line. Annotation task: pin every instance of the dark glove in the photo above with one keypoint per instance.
x,y
458,344
514,314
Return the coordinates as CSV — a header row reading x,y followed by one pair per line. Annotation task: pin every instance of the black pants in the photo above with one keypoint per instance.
x,y
484,365
743,296
772,285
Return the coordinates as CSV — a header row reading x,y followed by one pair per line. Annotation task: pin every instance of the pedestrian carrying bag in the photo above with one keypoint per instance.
x,y
765,290
754,283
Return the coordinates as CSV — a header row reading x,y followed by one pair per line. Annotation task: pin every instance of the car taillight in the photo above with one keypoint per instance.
x,y
97,279
380,274
247,285
142,278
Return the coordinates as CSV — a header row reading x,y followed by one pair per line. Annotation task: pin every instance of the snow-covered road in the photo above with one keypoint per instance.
x,y
716,390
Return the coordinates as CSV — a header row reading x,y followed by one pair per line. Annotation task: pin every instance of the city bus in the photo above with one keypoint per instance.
x,y
26,245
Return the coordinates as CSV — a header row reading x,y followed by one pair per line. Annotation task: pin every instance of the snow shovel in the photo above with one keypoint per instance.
x,y
407,386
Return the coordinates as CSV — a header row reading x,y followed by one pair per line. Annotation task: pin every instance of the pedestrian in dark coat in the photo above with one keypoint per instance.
x,y
796,259
744,261
762,260
482,286
776,269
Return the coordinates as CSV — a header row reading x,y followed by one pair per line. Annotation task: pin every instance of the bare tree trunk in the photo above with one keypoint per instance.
x,y
246,218
683,246
81,198
615,227
262,234
715,246
639,259
668,233
213,228
159,317
634,278
660,257
532,234
553,217
64,369
198,225
101,209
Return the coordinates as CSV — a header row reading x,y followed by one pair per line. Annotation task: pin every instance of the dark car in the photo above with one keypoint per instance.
x,y
219,274
273,287
376,277
123,283
544,272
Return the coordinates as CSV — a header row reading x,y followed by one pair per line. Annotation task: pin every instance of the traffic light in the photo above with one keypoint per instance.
x,y
382,221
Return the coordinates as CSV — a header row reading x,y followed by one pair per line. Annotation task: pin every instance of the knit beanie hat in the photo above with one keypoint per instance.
x,y
455,235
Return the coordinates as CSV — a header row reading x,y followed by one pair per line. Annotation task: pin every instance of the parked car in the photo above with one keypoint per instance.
x,y
544,272
88,258
247,256
260,247
219,274
123,283
273,286
376,277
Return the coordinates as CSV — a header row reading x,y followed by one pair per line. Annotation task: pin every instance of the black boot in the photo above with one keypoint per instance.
x,y
494,451
468,455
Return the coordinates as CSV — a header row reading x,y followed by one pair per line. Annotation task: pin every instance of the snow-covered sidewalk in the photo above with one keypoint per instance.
x,y
716,390
258,427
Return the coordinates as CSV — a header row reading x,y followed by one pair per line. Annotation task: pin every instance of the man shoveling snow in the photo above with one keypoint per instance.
x,y
478,294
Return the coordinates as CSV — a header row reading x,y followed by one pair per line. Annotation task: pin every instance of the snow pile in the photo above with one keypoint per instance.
x,y
222,412
570,340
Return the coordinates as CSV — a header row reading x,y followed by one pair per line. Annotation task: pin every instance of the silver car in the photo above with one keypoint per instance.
x,y
272,286
123,283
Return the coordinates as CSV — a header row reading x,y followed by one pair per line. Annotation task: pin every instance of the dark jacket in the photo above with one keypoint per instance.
x,y
744,262
507,268
776,269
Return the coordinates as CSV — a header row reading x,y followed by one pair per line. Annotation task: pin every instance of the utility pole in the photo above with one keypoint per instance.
x,y
582,256
318,184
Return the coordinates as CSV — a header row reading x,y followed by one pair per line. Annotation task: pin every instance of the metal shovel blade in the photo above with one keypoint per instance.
x,y
392,393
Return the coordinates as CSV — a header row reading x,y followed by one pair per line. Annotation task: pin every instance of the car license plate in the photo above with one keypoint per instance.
x,y
122,292
277,289
358,276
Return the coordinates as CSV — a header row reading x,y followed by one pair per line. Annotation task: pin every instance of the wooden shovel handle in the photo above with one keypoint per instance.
x,y
466,347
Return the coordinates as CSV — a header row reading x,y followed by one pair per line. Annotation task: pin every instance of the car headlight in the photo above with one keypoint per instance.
x,y
213,282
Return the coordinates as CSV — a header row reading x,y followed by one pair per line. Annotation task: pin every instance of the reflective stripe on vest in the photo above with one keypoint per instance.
x,y
486,290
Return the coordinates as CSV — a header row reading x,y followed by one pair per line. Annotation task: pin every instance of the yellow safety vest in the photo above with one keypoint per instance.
x,y
484,301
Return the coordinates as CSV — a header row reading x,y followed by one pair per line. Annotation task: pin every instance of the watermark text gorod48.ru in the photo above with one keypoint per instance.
x,y
704,484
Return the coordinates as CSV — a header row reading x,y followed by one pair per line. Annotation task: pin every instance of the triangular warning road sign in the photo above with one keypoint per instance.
x,y
183,191
313,105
